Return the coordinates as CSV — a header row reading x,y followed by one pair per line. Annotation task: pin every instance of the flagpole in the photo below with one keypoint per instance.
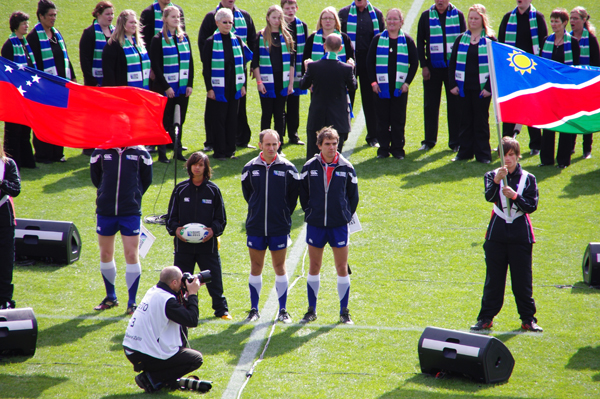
x,y
494,86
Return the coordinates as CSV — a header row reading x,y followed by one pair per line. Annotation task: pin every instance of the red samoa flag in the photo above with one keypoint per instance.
x,y
538,92
64,113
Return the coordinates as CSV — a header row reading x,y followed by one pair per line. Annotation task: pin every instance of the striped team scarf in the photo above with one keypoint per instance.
x,y
266,68
19,48
353,19
318,49
461,61
98,47
381,64
138,64
333,56
549,46
300,43
47,57
158,14
584,46
176,61
240,27
511,29
217,77
436,36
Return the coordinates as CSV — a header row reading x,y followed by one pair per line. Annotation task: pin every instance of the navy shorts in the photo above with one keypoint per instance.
x,y
337,237
260,243
110,225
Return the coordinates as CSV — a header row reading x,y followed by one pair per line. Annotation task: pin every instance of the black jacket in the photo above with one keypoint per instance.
x,y
36,49
147,23
423,40
87,44
209,26
196,204
271,192
524,40
158,66
10,185
122,176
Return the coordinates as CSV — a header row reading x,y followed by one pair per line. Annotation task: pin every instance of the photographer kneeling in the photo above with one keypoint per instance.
x,y
153,341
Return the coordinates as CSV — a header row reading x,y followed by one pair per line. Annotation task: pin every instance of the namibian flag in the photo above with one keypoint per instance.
x,y
64,113
535,91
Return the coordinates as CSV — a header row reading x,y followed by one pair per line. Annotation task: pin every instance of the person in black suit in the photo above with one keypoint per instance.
x,y
330,80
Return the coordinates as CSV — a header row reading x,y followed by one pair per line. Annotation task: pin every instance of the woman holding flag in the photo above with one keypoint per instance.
x,y
125,61
392,63
561,47
469,79
173,66
50,52
585,33
17,137
273,67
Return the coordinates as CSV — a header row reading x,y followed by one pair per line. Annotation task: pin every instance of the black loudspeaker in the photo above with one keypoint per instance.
x,y
591,264
483,358
47,240
18,332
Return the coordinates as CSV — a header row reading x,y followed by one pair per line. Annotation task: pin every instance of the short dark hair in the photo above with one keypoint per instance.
x,y
44,6
333,42
560,13
327,133
508,143
16,18
262,134
194,159
100,7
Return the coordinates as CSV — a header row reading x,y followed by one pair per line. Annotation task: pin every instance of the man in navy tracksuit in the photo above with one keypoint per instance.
x,y
270,184
122,176
329,197
199,200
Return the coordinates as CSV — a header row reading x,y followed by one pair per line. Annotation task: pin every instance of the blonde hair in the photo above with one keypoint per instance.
x,y
480,9
283,28
119,32
583,14
178,31
332,10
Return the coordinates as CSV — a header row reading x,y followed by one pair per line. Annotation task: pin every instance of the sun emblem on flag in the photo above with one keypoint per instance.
x,y
521,62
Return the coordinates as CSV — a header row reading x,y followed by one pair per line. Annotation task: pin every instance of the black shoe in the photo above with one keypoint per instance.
x,y
143,382
284,316
545,164
455,148
483,324
561,166
532,326
587,155
485,161
311,315
424,147
345,317
399,156
457,158
8,305
181,158
382,156
253,315
373,143
534,152
164,160
296,141
207,148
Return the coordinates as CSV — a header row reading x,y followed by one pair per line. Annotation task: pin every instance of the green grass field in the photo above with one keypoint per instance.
x,y
418,262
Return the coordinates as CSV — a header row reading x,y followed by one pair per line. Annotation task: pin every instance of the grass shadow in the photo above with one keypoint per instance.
x,y
582,288
73,180
289,341
411,393
72,330
451,381
586,358
583,184
27,386
230,340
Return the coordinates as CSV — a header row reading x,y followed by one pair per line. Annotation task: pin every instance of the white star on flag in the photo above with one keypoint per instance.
x,y
36,79
28,83
22,91
7,69
21,67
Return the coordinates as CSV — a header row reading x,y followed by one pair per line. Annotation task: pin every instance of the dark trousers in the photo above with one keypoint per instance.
x,y
244,133
17,144
206,261
7,258
588,139
498,257
208,117
391,120
224,126
366,96
166,372
292,118
169,120
432,91
273,108
474,136
46,152
565,146
535,135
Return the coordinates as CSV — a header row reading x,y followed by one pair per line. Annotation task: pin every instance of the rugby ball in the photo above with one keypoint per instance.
x,y
194,232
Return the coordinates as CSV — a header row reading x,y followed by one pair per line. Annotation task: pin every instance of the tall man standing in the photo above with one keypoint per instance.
x,y
243,27
525,28
270,185
329,198
362,22
439,26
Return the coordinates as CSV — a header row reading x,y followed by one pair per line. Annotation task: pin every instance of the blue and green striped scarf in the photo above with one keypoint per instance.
x,y
138,64
511,29
48,64
461,61
381,64
436,36
19,56
549,46
353,20
240,27
300,43
98,47
584,47
266,68
176,61
318,49
217,70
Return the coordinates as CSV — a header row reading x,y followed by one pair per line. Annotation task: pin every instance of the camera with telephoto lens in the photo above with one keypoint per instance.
x,y
203,277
